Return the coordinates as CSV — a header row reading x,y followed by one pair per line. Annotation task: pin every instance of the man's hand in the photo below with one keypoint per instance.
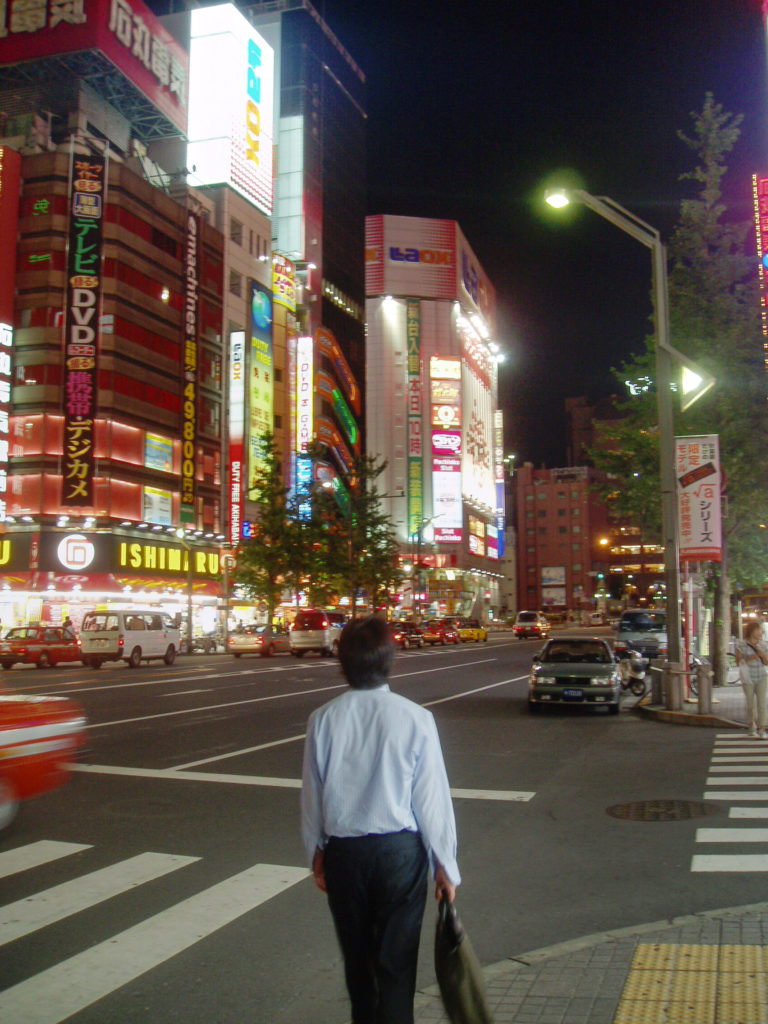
x,y
318,870
444,887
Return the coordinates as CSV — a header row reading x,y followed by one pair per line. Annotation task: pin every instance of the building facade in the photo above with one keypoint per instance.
x,y
432,411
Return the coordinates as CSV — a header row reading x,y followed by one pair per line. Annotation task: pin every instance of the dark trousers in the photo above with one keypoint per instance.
x,y
377,890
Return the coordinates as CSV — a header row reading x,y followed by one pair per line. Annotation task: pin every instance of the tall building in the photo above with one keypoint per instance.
x,y
562,538
432,411
113,405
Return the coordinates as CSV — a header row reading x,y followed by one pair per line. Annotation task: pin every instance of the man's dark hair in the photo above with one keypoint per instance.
x,y
366,652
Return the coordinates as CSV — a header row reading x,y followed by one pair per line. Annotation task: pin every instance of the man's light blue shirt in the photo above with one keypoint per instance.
x,y
373,764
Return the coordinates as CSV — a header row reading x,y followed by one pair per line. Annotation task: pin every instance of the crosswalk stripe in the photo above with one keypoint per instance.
x,y
68,987
751,767
28,915
735,794
732,835
737,780
730,862
748,812
33,855
738,759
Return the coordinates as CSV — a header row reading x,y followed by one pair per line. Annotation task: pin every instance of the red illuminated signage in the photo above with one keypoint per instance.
x,y
10,172
126,31
81,328
190,347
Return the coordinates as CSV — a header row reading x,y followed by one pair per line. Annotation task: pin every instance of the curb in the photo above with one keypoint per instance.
x,y
426,997
710,721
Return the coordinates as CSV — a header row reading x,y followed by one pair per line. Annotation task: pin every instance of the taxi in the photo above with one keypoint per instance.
x,y
471,629
40,737
39,645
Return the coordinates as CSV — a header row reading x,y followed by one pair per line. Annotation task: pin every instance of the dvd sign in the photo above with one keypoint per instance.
x,y
445,442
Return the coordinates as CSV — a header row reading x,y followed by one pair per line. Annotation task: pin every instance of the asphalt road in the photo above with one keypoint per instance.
x,y
167,882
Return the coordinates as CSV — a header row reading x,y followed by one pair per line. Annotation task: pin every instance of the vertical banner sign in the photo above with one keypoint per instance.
x,y
190,347
415,440
283,282
262,378
760,197
304,389
498,447
445,391
10,176
81,340
236,433
697,468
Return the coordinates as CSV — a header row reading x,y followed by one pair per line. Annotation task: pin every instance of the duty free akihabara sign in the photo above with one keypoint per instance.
x,y
697,469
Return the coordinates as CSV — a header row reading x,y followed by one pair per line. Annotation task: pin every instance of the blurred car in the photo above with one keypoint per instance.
x,y
316,630
531,624
39,739
575,670
643,631
39,645
406,634
437,632
254,640
472,629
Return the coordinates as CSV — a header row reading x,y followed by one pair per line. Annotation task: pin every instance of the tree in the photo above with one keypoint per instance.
x,y
714,319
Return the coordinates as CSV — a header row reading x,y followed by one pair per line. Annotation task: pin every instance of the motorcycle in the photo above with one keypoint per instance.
x,y
633,669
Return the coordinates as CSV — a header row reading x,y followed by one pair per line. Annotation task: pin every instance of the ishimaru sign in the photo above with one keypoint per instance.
x,y
81,339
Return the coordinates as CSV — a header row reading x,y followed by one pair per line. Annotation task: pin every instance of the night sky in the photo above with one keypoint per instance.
x,y
473,106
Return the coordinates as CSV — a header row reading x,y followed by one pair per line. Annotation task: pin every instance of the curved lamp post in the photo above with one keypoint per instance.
x,y
650,237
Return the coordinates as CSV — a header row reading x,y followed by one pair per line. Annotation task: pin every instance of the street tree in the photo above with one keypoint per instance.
x,y
715,320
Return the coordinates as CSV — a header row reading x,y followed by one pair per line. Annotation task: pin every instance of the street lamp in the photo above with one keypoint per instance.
x,y
650,237
181,536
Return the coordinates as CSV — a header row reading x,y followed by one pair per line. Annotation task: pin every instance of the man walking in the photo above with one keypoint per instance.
x,y
376,811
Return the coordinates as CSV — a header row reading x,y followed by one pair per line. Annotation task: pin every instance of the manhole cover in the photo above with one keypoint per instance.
x,y
662,810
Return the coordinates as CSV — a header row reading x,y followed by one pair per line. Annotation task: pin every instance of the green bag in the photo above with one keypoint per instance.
x,y
458,970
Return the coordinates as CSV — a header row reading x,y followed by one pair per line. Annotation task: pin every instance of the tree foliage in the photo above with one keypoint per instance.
x,y
714,320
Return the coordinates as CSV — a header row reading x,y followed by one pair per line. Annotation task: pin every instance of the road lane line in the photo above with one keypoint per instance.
x,y
732,835
34,855
237,753
730,862
70,986
176,775
34,912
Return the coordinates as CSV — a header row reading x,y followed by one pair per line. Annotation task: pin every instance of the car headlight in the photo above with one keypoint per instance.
x,y
538,680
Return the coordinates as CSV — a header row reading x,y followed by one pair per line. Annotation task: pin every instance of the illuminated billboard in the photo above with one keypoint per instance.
x,y
262,375
126,31
426,258
230,105
305,349
445,392
190,354
236,433
10,176
760,198
478,468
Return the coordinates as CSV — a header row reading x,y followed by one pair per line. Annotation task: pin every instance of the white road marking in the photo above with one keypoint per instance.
x,y
732,835
35,912
749,766
730,862
736,795
177,775
186,693
748,812
738,780
739,758
67,988
33,855
238,753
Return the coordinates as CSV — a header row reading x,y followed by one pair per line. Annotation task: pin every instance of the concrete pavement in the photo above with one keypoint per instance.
x,y
709,968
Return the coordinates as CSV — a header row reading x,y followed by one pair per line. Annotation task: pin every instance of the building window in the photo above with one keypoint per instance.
x,y
575,528
541,495
562,529
235,283
576,567
278,375
577,547
529,497
575,511
530,532
278,422
542,531
542,513
531,549
561,511
235,231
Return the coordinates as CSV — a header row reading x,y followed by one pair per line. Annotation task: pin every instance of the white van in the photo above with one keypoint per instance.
x,y
128,634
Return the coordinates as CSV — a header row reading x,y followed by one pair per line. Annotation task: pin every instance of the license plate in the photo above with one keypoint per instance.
x,y
573,694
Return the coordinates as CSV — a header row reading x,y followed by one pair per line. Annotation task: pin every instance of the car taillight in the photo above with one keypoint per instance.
x,y
325,624
120,640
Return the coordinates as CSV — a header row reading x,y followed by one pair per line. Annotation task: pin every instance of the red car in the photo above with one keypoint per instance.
x,y
406,634
39,739
437,632
39,645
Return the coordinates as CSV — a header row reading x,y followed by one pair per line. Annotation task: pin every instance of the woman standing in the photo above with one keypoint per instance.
x,y
752,657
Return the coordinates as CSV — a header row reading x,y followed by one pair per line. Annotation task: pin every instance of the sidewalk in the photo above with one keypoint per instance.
x,y
710,968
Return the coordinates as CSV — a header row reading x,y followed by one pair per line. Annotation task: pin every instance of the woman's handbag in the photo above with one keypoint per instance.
x,y
458,970
744,675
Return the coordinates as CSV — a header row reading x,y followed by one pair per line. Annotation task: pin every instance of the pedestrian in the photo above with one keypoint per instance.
x,y
752,657
376,812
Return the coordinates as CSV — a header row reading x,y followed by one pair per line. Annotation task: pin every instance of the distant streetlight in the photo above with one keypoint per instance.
x,y
650,237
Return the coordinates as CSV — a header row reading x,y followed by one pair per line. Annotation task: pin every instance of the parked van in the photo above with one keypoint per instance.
x,y
316,630
128,634
643,631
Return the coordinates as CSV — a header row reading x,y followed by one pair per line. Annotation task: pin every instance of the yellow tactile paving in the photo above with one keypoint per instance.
x,y
695,984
